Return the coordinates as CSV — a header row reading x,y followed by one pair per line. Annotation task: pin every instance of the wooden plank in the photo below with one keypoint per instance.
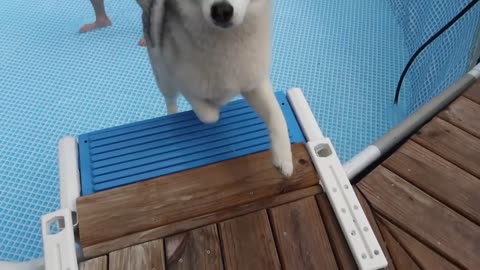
x,y
147,256
197,249
376,230
437,177
302,241
423,255
452,143
188,194
99,263
465,114
474,92
338,242
401,259
248,243
185,225
442,229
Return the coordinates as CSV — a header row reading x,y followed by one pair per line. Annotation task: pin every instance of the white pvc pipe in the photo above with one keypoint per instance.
x,y
357,164
69,174
304,115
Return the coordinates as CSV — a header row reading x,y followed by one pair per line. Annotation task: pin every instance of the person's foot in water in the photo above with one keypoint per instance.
x,y
99,23
101,20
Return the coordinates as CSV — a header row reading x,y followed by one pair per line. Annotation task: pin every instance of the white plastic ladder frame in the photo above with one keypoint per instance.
x,y
363,243
60,251
59,248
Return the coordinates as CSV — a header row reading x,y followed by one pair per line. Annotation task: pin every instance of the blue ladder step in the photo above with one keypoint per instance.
x,y
149,149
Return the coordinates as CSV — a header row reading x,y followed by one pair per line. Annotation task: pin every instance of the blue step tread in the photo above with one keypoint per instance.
x,y
144,150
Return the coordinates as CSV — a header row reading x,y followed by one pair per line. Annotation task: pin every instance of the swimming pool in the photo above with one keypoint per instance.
x,y
347,57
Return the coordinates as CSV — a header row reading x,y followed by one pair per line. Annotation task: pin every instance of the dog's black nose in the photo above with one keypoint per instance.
x,y
222,13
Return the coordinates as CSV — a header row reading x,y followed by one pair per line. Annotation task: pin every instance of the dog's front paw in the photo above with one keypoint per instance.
x,y
209,118
284,164
207,114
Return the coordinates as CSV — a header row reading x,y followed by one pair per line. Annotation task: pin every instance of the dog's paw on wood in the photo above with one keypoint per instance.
x,y
284,166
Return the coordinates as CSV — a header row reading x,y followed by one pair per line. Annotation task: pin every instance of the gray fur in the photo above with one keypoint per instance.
x,y
147,8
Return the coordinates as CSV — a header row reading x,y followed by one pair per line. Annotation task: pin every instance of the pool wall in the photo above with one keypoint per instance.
x,y
448,58
440,74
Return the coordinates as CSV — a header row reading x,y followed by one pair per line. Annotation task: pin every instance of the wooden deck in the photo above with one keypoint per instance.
x,y
423,203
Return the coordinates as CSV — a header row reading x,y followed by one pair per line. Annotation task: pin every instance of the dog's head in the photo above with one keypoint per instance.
x,y
222,14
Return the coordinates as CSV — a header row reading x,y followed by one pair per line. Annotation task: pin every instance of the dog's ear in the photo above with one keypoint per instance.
x,y
145,5
152,18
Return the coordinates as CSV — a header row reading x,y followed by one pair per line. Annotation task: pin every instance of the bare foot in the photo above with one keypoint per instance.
x,y
99,23
142,42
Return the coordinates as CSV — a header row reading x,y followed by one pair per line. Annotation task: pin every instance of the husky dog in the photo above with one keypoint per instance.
x,y
211,51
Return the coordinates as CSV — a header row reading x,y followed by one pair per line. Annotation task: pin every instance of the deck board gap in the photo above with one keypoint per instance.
x,y
403,160
382,219
368,209
381,178
449,141
220,240
463,113
379,218
428,195
271,223
395,247
333,244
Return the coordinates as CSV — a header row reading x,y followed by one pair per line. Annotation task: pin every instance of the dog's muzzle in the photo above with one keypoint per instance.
x,y
222,14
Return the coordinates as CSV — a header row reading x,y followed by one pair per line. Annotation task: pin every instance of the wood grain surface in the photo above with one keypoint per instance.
x,y
442,229
248,243
189,194
147,256
198,249
302,241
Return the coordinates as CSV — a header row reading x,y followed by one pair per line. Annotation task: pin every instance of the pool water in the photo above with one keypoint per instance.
x,y
346,55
